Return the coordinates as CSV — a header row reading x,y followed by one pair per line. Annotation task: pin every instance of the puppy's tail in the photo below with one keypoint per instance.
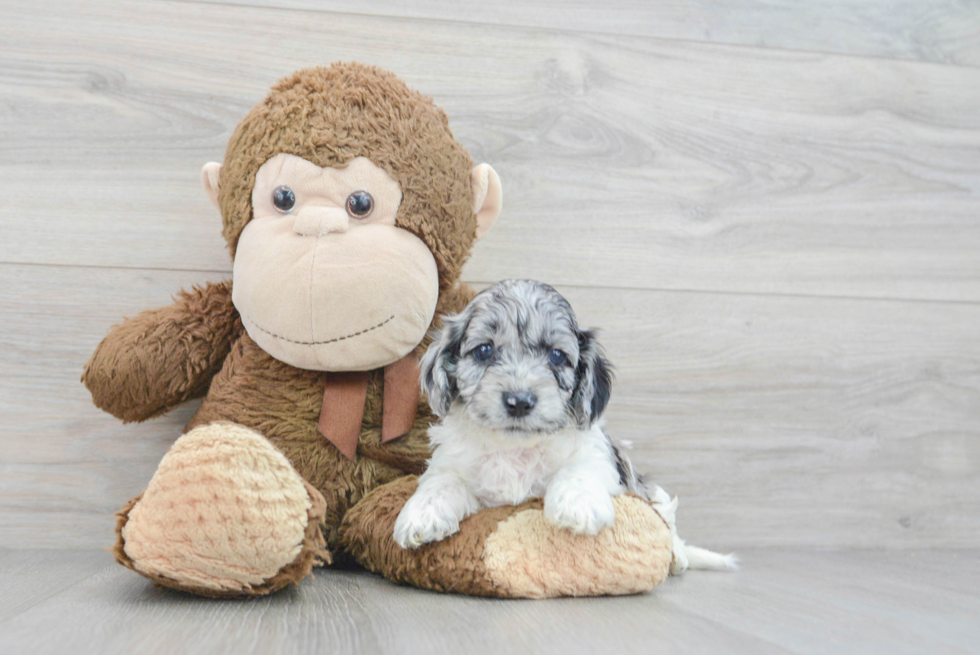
x,y
688,557
708,560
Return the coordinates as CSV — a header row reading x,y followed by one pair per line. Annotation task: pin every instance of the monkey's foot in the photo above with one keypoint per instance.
x,y
513,552
225,515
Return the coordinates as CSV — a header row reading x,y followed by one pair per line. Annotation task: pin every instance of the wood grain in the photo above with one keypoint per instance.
x,y
347,612
781,602
627,161
829,422
771,209
856,601
944,31
30,577
779,421
65,467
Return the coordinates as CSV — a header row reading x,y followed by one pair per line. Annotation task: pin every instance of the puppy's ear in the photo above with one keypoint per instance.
x,y
437,370
593,383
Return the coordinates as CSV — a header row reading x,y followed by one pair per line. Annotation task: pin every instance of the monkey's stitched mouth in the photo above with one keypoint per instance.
x,y
316,343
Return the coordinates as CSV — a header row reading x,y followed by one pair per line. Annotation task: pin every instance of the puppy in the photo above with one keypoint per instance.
x,y
520,388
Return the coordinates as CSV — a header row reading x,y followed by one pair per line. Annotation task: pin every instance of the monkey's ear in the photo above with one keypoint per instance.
x,y
487,197
210,175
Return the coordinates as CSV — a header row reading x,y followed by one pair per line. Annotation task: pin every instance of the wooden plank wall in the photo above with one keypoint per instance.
x,y
773,212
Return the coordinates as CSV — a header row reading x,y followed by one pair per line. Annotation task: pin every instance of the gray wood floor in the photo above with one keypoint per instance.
x,y
771,209
58,601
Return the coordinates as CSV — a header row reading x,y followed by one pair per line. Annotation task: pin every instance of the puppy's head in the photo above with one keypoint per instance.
x,y
515,359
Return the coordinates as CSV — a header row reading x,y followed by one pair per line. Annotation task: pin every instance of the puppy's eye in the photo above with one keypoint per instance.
x,y
284,199
360,204
483,352
557,358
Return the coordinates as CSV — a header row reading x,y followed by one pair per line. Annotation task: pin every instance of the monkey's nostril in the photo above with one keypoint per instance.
x,y
520,403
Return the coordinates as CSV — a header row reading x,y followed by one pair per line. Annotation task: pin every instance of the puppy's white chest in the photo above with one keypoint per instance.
x,y
512,475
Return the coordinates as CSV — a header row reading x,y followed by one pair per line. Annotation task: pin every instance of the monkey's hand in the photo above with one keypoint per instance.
x,y
163,357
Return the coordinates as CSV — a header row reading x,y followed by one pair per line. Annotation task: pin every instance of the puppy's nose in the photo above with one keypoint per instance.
x,y
520,403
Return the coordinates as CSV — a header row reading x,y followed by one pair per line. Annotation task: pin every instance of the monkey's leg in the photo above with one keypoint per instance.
x,y
225,515
513,551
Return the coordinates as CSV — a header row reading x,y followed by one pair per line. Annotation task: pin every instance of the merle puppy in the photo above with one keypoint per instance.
x,y
520,388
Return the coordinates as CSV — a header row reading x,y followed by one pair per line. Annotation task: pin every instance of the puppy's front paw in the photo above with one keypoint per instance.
x,y
423,523
579,511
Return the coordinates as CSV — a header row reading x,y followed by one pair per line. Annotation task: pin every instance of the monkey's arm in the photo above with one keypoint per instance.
x,y
163,357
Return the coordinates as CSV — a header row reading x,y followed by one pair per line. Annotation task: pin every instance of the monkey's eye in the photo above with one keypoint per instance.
x,y
284,199
360,204
557,358
483,352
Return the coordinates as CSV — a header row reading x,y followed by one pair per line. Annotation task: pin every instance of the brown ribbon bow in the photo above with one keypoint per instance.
x,y
346,393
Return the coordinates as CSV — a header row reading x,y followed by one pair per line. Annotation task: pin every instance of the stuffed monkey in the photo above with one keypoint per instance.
x,y
349,210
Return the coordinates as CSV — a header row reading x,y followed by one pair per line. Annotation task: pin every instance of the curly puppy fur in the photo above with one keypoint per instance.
x,y
520,387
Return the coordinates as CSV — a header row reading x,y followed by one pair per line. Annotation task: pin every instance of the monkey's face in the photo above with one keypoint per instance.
x,y
342,245
323,279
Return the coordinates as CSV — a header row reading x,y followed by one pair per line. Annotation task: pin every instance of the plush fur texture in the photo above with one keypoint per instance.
x,y
527,557
164,357
513,552
312,554
329,116
283,404
339,260
234,474
197,346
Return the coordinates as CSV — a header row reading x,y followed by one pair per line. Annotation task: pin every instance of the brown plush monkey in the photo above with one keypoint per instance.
x,y
349,210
